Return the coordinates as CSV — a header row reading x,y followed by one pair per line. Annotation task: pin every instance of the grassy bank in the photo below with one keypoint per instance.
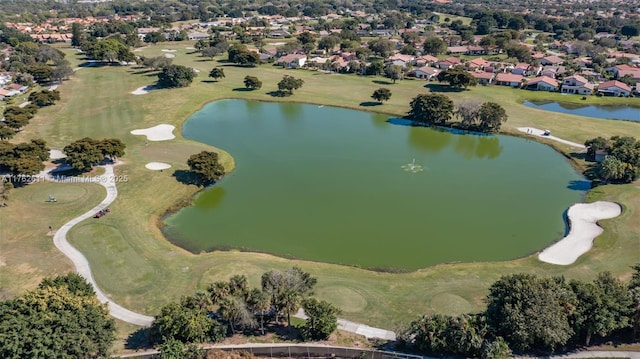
x,y
141,270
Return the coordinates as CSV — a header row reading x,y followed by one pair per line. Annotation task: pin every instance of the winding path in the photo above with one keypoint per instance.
x,y
107,180
540,133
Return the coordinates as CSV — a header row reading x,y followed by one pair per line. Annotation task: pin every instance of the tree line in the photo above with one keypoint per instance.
x,y
16,117
438,110
621,162
526,313
62,318
229,307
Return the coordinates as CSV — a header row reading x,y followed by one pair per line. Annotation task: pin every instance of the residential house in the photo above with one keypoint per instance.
x,y
19,88
614,88
553,71
577,84
292,61
483,77
521,69
476,50
625,69
551,60
512,80
195,36
457,50
634,74
407,59
448,63
476,64
425,60
425,72
542,83
4,93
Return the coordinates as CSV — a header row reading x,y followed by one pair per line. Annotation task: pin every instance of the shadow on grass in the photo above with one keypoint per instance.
x,y
382,82
370,103
242,89
186,177
143,72
279,93
203,60
140,339
443,88
210,81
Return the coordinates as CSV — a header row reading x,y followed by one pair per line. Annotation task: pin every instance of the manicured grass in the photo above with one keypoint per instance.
x,y
141,270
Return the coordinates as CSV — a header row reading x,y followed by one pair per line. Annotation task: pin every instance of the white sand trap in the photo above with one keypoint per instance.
x,y
56,154
157,166
583,219
190,48
161,132
195,70
143,90
169,56
165,50
537,132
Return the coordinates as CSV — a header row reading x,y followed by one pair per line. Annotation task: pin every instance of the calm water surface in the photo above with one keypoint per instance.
x,y
327,184
606,112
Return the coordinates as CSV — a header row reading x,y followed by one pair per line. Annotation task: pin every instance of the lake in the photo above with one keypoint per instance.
x,y
627,113
334,185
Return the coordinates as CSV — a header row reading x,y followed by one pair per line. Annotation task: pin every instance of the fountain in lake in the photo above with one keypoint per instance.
x,y
412,167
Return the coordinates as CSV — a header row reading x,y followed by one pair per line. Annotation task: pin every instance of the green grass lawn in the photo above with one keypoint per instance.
x,y
141,270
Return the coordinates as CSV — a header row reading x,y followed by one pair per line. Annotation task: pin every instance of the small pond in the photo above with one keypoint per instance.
x,y
348,187
626,113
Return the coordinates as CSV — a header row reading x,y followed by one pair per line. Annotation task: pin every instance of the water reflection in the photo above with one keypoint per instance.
x,y
211,198
605,112
428,140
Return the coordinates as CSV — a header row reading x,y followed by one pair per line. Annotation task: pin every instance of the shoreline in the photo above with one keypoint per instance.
x,y
189,200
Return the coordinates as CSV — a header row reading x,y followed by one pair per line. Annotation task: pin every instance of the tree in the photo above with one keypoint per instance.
x,y
247,58
175,322
433,109
602,307
289,83
61,71
77,34
157,63
381,47
322,319
211,52
287,289
381,94
491,116
497,349
252,83
434,46
520,52
216,73
622,164
111,147
205,164
328,43
175,349
468,112
6,132
630,30
55,320
44,97
457,77
154,37
531,312
306,38
634,294
176,76
234,50
395,72
40,72
83,154
594,145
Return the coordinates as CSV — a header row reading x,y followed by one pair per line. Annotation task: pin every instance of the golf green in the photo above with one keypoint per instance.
x,y
349,187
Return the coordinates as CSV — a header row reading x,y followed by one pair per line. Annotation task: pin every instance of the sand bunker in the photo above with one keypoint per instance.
x,y
165,50
169,56
583,218
195,70
190,48
537,132
161,132
157,166
143,90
